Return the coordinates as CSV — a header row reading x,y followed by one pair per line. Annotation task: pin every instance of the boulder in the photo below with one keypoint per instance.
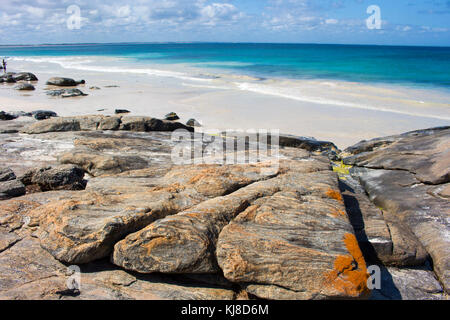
x,y
145,124
66,177
80,123
21,114
25,76
43,114
11,189
7,116
66,93
9,79
120,111
25,87
94,122
64,82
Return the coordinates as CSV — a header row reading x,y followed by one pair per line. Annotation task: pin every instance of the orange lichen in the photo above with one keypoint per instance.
x,y
336,195
173,188
349,277
211,173
338,213
17,206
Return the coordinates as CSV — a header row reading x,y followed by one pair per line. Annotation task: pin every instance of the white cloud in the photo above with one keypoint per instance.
x,y
220,12
119,13
331,21
158,20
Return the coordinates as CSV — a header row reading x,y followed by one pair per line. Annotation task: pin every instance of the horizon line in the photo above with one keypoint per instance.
x,y
219,42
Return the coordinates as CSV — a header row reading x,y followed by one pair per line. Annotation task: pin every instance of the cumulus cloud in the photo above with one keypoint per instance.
x,y
98,14
179,20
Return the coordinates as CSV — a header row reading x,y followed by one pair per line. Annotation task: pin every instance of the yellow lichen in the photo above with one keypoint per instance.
x,y
341,168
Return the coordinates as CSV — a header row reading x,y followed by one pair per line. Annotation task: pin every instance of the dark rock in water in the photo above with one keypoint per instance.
x,y
65,177
64,82
66,93
11,189
6,174
120,111
9,79
25,87
172,116
94,88
21,114
193,123
7,116
25,76
43,114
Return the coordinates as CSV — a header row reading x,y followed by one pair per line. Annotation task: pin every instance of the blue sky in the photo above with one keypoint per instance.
x,y
404,22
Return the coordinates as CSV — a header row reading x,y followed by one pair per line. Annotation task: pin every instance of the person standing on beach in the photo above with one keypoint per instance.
x,y
4,66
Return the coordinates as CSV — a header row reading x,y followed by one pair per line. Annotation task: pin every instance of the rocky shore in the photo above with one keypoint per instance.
x,y
102,194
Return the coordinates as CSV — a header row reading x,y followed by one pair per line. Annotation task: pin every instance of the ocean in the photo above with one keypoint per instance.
x,y
423,67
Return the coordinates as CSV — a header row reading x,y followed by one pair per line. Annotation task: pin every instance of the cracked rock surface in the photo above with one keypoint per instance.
x,y
142,227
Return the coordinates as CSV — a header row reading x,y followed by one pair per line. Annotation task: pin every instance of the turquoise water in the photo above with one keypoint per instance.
x,y
417,66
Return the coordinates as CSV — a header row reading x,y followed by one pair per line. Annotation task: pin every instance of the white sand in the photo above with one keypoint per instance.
x,y
338,111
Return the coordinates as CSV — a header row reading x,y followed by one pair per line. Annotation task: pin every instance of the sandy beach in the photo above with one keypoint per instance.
x,y
338,111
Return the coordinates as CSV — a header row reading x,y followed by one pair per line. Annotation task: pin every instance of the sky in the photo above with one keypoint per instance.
x,y
402,22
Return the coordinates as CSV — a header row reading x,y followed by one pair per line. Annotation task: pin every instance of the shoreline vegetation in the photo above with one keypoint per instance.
x,y
101,191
